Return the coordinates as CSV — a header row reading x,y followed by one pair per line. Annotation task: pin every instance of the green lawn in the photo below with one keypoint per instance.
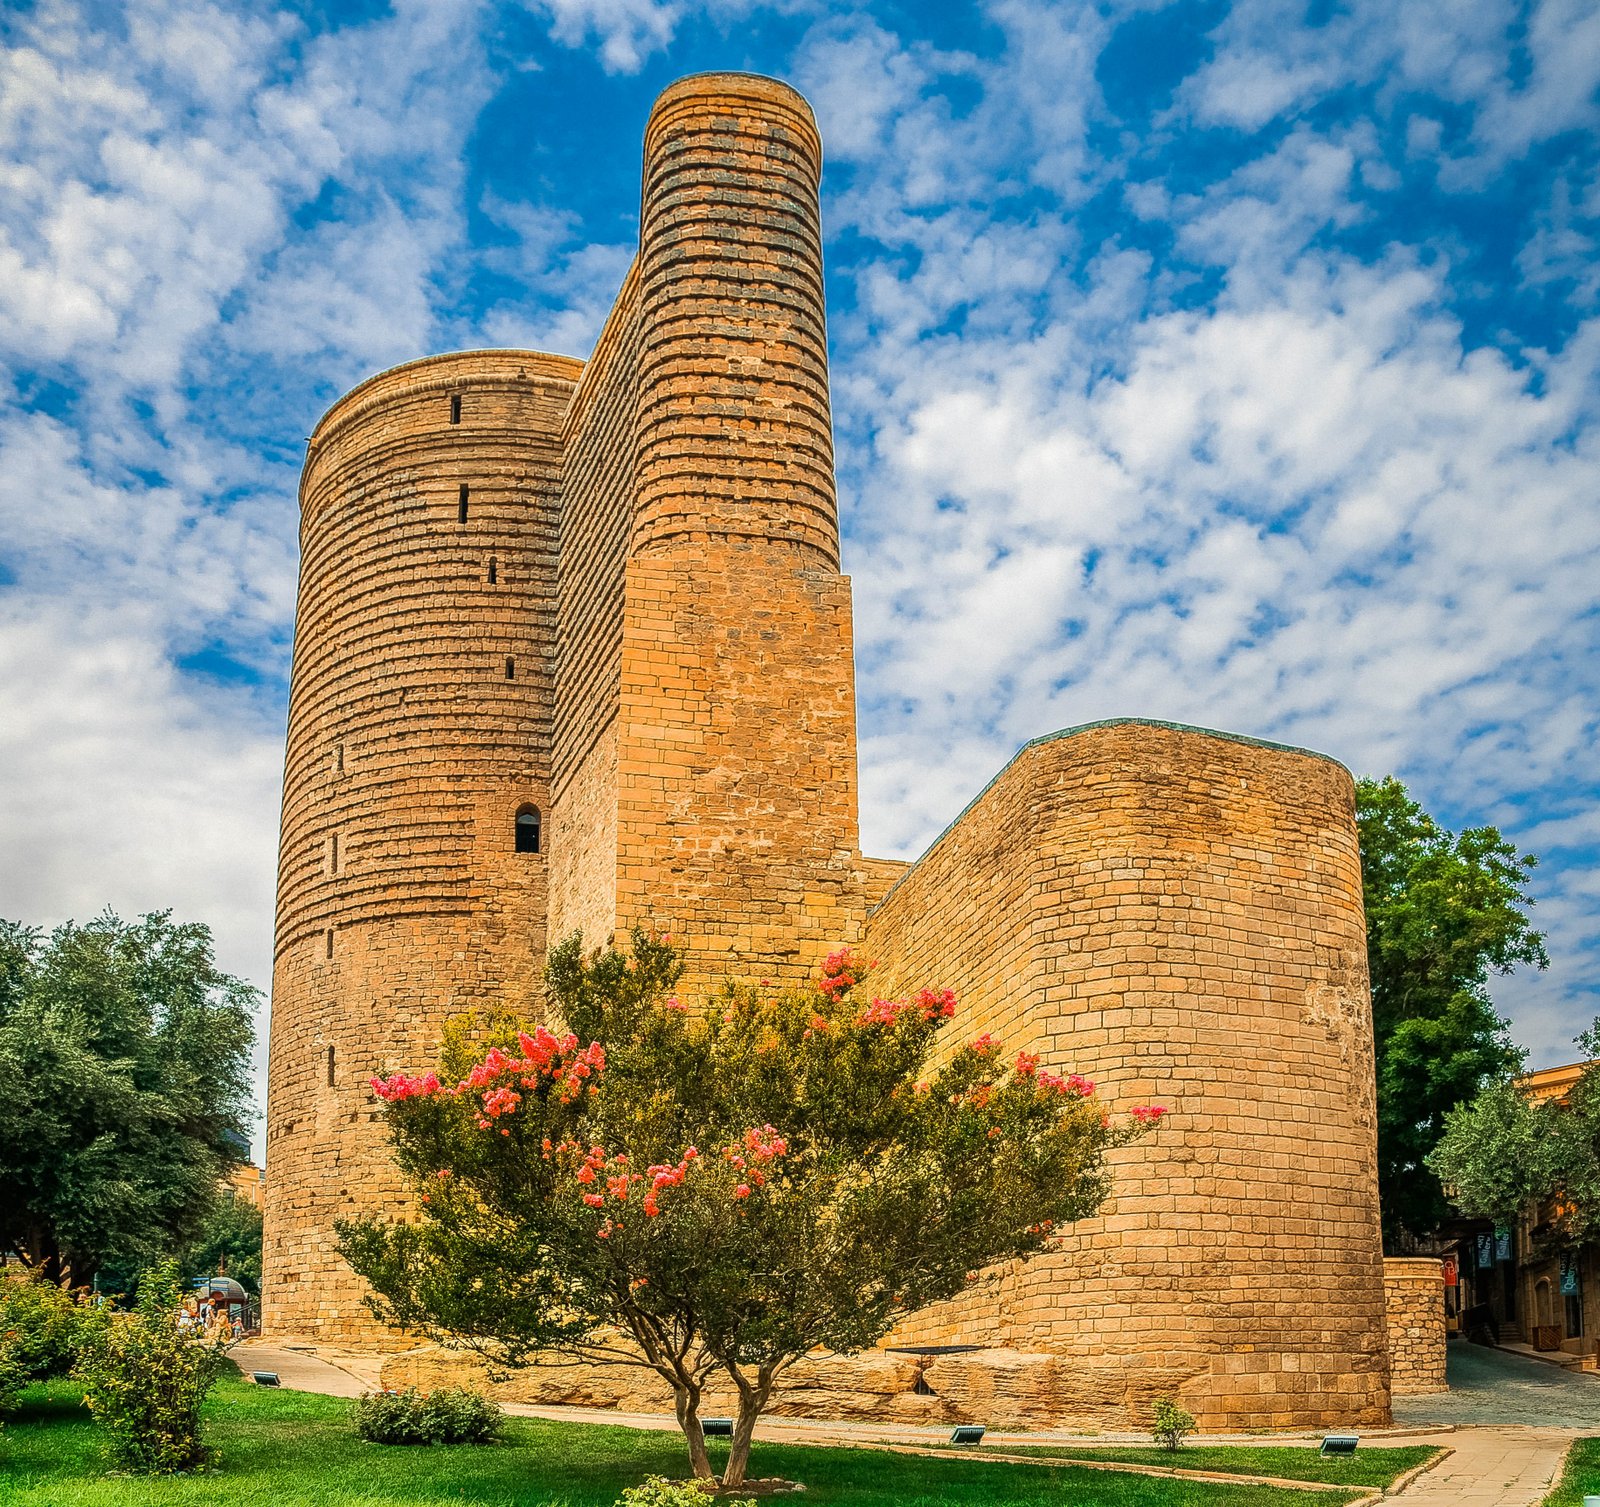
x,y
1367,1467
282,1449
1581,1476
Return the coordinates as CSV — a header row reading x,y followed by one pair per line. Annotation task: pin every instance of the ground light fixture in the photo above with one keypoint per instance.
x,y
265,1378
968,1433
1340,1444
717,1428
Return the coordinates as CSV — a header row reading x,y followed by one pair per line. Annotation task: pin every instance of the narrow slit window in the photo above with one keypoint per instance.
x,y
338,758
528,830
333,854
511,668
330,1067
327,941
461,504
494,570
455,408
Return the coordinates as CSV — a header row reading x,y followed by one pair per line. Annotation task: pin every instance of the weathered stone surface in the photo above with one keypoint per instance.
x,y
609,591
1413,1289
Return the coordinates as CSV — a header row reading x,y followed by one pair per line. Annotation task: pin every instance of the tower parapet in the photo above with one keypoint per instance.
x,y
734,434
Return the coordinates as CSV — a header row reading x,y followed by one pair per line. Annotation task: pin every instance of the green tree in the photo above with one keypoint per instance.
x,y
124,1053
1503,1151
719,1191
229,1238
1444,912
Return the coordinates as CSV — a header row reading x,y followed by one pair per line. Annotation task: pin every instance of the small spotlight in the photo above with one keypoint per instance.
x,y
1340,1444
968,1433
717,1428
265,1378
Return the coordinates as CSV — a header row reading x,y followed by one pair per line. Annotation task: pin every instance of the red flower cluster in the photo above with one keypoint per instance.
x,y
839,973
399,1087
1073,1083
543,1055
1148,1114
930,1004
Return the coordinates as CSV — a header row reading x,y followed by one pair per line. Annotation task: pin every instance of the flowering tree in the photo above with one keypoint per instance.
x,y
720,1190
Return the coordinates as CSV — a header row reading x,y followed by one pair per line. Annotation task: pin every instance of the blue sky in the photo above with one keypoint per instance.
x,y
1231,364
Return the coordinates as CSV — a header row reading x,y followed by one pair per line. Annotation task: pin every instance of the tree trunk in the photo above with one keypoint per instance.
x,y
752,1399
686,1399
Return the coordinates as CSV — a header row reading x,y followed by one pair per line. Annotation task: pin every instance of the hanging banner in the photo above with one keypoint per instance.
x,y
1485,1251
1569,1277
1502,1245
1451,1276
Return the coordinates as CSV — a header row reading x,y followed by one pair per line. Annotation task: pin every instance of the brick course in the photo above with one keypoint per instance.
x,y
610,590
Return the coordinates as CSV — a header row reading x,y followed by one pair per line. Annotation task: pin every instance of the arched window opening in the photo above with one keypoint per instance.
x,y
461,504
455,408
494,570
330,1067
327,941
528,830
511,668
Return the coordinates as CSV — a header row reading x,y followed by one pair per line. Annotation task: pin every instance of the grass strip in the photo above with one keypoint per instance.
x,y
1580,1475
276,1447
1367,1467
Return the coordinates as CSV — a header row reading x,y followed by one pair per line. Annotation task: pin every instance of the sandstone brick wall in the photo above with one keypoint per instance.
x,y
419,723
597,511
1413,1291
1176,915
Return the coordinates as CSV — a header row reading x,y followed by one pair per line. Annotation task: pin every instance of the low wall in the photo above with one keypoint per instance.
x,y
1413,1291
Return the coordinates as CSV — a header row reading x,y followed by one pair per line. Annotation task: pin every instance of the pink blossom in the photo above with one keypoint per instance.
x,y
742,1191
1147,1114
594,1200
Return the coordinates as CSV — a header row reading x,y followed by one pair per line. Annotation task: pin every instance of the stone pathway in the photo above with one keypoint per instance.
x,y
1491,1467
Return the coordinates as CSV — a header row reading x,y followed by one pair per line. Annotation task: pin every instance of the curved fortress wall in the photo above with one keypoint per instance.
x,y
1176,915
419,725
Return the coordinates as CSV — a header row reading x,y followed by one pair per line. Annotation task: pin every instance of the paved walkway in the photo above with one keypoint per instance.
x,y
1490,1467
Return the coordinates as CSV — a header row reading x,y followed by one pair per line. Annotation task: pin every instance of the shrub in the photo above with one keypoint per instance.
x,y
39,1326
657,1491
1169,1422
450,1415
144,1381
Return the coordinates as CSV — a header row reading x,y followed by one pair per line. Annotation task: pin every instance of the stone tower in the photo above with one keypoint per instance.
x,y
573,653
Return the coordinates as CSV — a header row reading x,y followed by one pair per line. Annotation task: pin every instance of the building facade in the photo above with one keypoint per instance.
x,y
573,653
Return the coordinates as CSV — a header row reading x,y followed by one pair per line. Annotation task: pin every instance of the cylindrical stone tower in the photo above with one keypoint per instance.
x,y
737,797
733,429
411,877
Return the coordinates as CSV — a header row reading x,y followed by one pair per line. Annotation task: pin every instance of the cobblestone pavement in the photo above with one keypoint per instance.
x,y
1490,1387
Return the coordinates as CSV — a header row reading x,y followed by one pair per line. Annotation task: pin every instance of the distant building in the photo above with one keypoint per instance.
x,y
1515,1287
247,1181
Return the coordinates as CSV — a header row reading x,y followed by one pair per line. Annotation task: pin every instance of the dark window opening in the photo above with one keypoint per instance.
x,y
528,830
338,758
333,854
330,1067
511,668
328,941
494,570
921,1388
455,409
462,504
